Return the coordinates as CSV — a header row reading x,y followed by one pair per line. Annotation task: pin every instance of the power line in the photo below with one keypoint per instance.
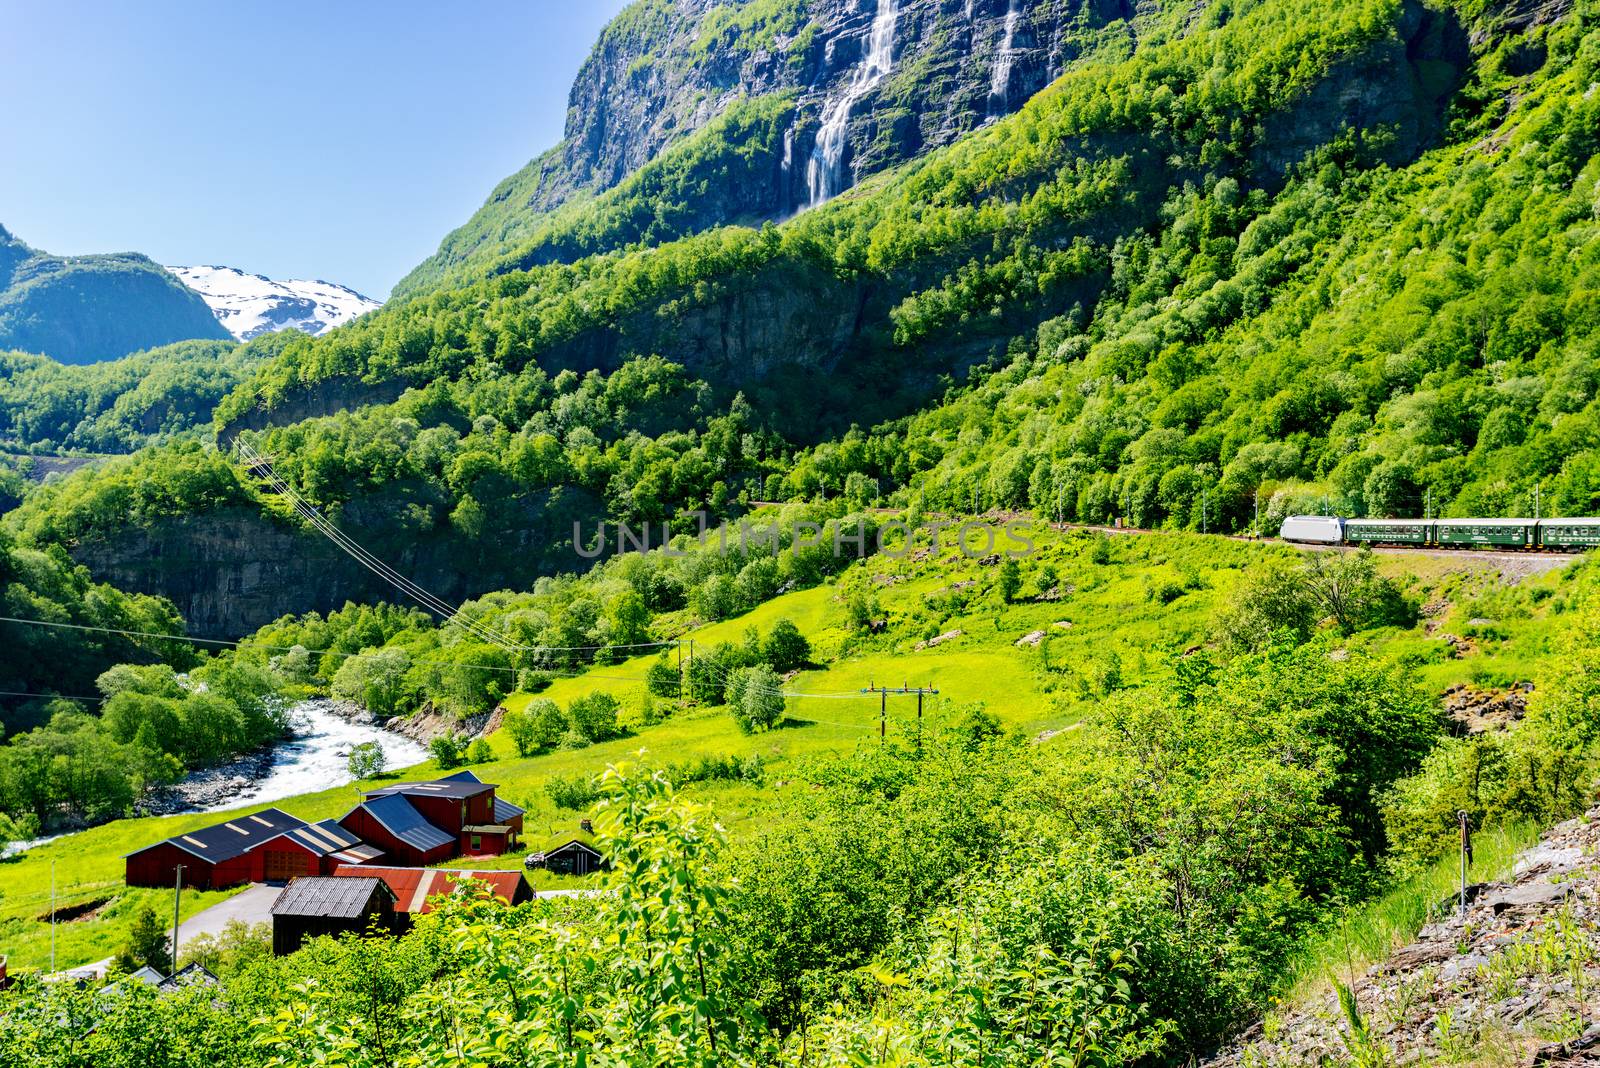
x,y
49,696
243,645
359,553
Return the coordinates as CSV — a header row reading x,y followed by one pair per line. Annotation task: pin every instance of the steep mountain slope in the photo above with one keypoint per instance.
x,y
861,310
80,309
862,86
248,305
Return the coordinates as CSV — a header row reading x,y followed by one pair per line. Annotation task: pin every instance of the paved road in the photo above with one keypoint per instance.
x,y
253,905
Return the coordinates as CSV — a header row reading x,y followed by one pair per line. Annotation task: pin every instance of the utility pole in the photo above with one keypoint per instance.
x,y
1205,497
1536,501
1257,523
52,916
177,895
883,693
1466,854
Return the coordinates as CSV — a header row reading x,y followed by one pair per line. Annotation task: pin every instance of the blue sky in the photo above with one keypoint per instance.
x,y
336,140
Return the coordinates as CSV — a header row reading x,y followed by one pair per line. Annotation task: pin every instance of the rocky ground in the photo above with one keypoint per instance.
x,y
1516,980
209,788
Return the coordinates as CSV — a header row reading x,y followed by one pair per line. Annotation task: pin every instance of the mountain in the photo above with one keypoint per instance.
x,y
849,88
1267,261
250,304
82,309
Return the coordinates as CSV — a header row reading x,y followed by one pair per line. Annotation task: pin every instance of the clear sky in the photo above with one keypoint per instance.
x,y
337,139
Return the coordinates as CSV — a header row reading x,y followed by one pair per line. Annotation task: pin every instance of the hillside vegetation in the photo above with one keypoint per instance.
x,y
117,406
856,870
81,309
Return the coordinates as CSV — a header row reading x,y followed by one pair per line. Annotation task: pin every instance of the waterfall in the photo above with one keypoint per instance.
x,y
786,171
1000,79
825,170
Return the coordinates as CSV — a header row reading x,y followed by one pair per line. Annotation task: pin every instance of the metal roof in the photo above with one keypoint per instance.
x,y
323,838
414,888
505,811
330,898
234,838
401,819
457,789
1484,522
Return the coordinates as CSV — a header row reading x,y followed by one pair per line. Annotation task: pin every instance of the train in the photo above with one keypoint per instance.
x,y
1556,535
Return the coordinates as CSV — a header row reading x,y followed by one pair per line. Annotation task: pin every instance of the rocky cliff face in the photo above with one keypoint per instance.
x,y
875,83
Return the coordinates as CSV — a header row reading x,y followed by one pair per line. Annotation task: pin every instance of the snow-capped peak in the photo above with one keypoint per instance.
x,y
248,304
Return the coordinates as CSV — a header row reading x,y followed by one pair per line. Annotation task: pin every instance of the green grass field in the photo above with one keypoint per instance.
x,y
1151,597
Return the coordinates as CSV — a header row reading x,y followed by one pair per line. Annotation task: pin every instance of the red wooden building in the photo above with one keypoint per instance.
x,y
314,849
212,858
415,888
393,824
461,806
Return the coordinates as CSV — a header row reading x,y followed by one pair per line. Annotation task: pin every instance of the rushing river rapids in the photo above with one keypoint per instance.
x,y
315,758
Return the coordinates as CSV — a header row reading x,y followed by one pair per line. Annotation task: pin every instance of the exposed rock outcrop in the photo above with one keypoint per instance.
x,y
1516,974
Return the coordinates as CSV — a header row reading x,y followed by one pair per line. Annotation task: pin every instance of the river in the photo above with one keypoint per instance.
x,y
315,758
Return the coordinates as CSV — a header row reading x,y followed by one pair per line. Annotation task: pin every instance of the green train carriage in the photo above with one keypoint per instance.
x,y
1388,531
1486,533
1568,533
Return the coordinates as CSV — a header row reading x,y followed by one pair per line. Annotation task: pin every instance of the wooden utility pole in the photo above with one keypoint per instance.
x,y
177,896
52,917
883,693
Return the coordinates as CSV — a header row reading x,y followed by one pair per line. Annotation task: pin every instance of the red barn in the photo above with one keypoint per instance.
x,y
315,849
505,813
415,888
393,824
213,857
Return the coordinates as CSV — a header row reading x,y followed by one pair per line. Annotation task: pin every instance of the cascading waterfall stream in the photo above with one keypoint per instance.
x,y
1000,79
825,170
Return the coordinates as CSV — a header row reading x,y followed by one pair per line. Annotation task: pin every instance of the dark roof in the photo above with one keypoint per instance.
x,y
236,837
189,975
463,784
323,838
505,811
401,819
330,898
576,843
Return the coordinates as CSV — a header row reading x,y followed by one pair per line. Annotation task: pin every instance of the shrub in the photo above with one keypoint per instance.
x,y
367,760
594,716
572,792
786,648
448,749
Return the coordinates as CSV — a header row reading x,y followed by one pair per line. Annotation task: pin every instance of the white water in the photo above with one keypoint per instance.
x,y
1000,78
825,170
317,757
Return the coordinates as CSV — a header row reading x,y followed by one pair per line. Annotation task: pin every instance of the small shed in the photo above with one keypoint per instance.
x,y
323,905
187,976
575,857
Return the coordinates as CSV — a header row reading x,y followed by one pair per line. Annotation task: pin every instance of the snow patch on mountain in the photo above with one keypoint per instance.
x,y
248,304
